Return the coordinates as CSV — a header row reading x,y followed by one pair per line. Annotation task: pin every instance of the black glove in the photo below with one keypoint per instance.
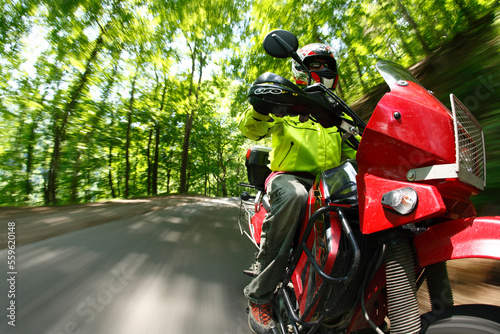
x,y
262,112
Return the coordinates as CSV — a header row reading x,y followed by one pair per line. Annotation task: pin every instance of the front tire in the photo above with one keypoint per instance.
x,y
463,319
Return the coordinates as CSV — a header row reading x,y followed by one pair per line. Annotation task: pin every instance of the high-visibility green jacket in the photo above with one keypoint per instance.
x,y
296,146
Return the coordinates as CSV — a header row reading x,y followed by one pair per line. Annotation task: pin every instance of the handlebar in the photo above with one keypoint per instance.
x,y
274,94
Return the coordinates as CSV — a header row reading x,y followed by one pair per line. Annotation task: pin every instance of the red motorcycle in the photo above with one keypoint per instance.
x,y
376,228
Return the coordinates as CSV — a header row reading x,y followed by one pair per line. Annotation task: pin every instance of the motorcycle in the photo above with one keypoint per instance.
x,y
376,228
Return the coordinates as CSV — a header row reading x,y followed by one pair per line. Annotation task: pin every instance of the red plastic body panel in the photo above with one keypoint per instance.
x,y
373,216
256,224
461,238
391,146
299,282
324,240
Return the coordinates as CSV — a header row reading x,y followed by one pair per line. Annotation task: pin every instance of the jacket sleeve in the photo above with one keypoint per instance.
x,y
254,125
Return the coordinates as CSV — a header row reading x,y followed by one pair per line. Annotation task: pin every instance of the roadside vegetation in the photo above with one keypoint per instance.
x,y
129,98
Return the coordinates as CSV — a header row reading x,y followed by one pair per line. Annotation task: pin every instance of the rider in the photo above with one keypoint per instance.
x,y
301,149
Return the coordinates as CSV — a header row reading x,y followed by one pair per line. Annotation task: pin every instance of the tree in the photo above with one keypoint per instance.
x,y
110,98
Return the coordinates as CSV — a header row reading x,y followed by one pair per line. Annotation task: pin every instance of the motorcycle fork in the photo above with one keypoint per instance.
x,y
439,287
401,287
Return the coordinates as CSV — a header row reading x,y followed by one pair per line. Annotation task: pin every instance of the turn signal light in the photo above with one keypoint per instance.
x,y
403,200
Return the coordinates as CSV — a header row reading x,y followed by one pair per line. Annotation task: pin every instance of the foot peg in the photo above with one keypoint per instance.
x,y
250,271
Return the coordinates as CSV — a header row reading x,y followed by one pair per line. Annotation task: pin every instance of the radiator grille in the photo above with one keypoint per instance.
x,y
469,141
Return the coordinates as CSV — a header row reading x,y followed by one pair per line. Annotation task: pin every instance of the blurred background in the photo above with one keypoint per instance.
x,y
121,99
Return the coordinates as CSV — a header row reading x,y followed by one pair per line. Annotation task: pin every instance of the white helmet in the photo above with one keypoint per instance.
x,y
316,52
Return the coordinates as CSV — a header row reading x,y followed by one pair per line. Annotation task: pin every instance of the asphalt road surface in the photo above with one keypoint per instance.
x,y
174,271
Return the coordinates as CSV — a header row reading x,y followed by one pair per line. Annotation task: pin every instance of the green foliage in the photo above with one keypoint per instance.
x,y
95,95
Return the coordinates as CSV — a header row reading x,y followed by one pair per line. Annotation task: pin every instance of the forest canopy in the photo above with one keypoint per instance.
x,y
126,98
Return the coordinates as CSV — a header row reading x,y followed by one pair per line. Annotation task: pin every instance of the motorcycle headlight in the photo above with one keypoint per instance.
x,y
403,200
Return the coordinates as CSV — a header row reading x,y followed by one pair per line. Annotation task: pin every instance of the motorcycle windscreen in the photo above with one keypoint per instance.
x,y
339,184
394,73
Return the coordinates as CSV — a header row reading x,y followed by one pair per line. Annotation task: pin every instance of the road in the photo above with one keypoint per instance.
x,y
177,270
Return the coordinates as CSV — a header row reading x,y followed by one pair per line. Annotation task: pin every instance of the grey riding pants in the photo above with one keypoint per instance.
x,y
288,195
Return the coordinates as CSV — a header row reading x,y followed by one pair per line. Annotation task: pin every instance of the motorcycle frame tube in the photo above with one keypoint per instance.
x,y
474,237
375,303
304,320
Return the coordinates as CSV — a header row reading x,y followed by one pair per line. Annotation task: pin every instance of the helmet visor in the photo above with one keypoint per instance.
x,y
316,64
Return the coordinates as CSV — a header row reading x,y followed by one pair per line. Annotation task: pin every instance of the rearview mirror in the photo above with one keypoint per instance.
x,y
280,43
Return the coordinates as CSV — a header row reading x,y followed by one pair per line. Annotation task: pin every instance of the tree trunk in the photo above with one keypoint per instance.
x,y
168,180
184,178
414,27
390,17
75,178
127,157
156,159
223,183
469,16
360,74
169,169
205,183
30,156
110,173
60,129
150,165
185,153
352,51
127,141
129,129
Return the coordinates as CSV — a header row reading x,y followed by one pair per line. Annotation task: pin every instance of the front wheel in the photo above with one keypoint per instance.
x,y
463,319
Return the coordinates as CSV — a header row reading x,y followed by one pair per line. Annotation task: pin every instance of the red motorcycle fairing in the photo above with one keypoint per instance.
x,y
474,237
398,138
374,217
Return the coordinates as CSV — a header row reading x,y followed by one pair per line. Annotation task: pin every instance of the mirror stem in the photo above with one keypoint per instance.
x,y
294,55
